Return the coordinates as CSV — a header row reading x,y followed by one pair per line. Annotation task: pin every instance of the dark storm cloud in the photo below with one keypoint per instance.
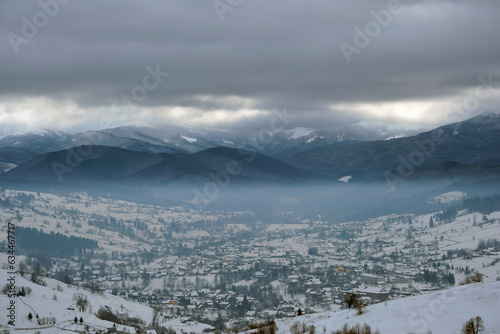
x,y
274,53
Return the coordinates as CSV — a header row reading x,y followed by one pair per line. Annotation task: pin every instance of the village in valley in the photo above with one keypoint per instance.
x,y
218,270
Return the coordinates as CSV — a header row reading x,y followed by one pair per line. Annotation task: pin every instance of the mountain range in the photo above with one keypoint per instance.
x,y
160,154
163,138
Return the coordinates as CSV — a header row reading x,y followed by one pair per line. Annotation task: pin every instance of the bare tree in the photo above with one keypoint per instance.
x,y
22,269
467,280
359,304
473,326
477,278
350,298
81,301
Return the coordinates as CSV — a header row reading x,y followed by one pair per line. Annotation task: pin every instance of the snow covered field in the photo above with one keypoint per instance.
x,y
49,301
70,215
440,312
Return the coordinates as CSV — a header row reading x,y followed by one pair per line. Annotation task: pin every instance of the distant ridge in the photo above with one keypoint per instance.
x,y
465,150
97,164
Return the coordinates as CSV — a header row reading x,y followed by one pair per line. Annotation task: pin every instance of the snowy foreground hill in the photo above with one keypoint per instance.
x,y
440,312
50,302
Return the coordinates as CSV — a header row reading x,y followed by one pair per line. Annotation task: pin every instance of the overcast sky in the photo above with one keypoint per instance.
x,y
230,62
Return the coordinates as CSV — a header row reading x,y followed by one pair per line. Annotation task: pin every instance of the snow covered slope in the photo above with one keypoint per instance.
x,y
440,312
50,301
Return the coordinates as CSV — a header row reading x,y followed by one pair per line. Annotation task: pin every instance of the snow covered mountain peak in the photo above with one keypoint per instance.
x,y
390,127
23,131
298,132
140,124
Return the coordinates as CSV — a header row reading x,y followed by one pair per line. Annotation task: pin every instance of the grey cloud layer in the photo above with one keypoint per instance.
x,y
274,52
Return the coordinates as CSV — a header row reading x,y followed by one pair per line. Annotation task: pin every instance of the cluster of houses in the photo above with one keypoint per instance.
x,y
235,282
216,268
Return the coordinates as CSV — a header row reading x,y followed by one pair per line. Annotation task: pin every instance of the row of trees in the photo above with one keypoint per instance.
x,y
432,277
485,205
31,239
476,278
447,215
491,242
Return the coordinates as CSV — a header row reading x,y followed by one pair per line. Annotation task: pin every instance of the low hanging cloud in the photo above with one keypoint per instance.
x,y
229,63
